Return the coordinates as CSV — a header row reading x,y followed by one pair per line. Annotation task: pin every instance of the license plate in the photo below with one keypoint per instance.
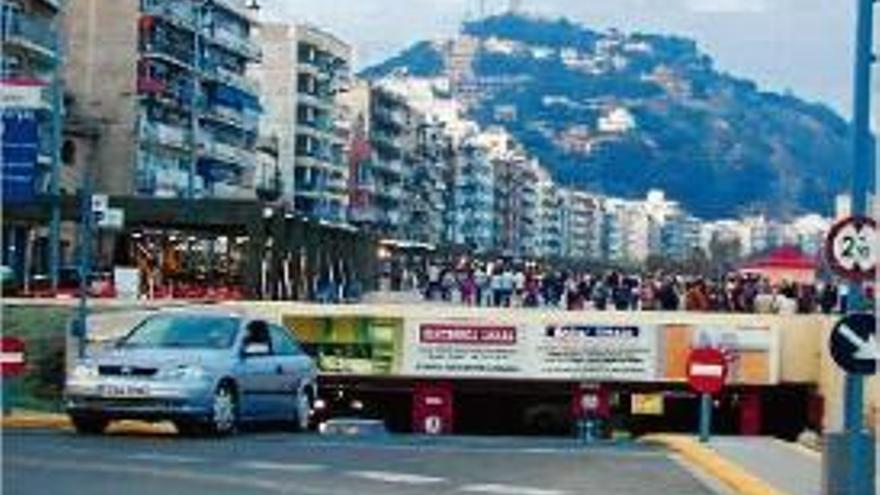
x,y
112,390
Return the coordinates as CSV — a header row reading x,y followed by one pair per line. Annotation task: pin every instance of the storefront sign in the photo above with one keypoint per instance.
x,y
594,352
553,350
462,349
20,139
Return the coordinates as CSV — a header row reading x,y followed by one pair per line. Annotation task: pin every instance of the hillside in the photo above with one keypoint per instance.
x,y
622,113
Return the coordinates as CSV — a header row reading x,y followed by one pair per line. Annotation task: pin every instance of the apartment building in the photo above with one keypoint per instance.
x,y
28,59
29,55
425,184
392,137
581,224
680,236
625,230
168,81
473,211
550,218
303,71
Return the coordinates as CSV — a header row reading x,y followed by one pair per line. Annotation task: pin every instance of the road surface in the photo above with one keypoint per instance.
x,y
58,462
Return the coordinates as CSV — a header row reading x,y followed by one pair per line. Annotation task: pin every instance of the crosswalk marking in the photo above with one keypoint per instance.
x,y
177,459
508,490
391,477
278,466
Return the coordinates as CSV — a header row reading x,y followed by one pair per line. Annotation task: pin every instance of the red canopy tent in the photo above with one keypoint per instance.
x,y
787,263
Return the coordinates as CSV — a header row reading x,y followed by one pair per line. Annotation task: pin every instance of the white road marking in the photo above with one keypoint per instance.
x,y
176,459
390,477
509,490
278,466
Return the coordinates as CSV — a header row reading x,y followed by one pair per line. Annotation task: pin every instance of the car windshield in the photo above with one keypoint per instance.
x,y
194,332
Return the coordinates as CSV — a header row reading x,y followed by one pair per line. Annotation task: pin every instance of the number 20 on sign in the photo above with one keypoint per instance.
x,y
851,248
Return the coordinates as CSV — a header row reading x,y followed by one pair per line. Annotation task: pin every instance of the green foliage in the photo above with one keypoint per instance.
x,y
43,330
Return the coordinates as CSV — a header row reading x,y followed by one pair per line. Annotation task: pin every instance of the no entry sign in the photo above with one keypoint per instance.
x,y
851,248
12,356
707,370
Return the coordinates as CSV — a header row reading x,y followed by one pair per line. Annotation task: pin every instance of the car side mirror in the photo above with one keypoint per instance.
x,y
255,349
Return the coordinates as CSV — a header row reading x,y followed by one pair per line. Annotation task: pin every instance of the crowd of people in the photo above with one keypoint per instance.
x,y
510,286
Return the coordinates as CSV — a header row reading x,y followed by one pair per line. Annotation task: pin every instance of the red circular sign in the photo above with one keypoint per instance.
x,y
851,248
12,356
707,370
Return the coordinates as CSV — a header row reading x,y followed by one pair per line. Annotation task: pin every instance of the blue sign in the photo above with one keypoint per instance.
x,y
20,139
854,344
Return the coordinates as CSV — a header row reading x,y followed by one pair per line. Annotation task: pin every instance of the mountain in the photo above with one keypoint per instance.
x,y
623,113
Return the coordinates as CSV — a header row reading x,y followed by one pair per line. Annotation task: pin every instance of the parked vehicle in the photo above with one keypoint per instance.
x,y
206,372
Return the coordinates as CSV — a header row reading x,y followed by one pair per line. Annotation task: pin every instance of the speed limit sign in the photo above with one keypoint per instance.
x,y
851,248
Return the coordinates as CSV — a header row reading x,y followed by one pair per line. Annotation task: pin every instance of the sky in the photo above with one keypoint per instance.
x,y
802,46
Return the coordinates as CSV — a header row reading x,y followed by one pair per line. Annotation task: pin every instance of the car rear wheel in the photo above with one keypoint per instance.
x,y
224,411
89,425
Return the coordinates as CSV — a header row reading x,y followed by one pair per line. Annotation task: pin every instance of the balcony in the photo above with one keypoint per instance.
x,y
30,33
166,135
315,100
230,117
225,76
337,184
394,167
210,147
315,161
175,55
224,190
363,214
237,7
234,42
181,14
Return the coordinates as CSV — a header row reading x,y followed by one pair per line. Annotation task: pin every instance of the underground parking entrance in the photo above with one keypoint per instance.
x,y
557,409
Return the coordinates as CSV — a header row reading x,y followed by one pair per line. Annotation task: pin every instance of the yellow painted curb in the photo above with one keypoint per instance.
x,y
24,421
62,422
729,473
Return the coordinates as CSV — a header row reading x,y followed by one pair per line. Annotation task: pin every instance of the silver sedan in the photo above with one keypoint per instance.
x,y
206,372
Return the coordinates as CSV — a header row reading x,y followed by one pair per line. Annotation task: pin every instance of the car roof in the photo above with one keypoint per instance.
x,y
200,313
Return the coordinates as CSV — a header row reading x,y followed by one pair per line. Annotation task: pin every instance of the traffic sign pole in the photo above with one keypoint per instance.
x,y
847,463
705,417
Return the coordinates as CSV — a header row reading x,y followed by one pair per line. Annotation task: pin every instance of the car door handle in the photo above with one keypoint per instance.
x,y
279,369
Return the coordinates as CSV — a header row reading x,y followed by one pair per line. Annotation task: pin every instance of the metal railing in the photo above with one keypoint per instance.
x,y
180,13
32,30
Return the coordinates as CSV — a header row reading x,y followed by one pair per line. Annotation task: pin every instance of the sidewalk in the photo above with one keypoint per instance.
x,y
20,419
754,465
789,468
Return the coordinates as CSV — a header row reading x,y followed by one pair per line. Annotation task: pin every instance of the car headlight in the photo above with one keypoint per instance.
x,y
184,372
85,370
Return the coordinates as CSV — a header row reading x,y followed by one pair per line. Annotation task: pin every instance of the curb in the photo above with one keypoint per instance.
x,y
62,422
730,474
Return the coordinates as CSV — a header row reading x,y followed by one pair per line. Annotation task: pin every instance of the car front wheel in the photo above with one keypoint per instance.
x,y
224,411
